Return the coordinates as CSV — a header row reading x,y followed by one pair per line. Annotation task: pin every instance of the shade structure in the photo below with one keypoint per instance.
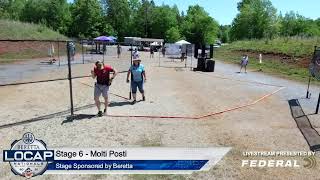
x,y
112,37
103,38
182,42
156,44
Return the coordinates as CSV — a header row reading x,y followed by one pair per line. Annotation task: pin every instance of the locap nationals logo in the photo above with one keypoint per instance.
x,y
28,156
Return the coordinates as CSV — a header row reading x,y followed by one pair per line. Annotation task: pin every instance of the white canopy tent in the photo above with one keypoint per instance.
x,y
156,44
182,42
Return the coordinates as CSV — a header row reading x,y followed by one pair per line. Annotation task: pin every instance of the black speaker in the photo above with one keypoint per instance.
x,y
201,66
210,66
203,52
196,47
211,51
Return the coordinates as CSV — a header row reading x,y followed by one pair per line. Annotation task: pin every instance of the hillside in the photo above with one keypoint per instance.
x,y
286,57
17,30
292,47
25,50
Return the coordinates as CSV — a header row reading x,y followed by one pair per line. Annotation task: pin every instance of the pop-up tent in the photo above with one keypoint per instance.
x,y
155,44
182,42
104,38
113,38
183,46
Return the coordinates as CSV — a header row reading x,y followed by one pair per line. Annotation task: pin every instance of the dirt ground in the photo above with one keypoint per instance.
x,y
171,90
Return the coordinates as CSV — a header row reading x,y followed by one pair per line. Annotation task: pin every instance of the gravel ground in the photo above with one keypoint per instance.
x,y
171,90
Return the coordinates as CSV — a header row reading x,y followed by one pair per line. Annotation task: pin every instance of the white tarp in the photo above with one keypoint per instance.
x,y
181,42
156,44
173,49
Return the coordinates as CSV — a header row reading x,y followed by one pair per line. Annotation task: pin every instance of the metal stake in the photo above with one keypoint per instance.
x,y
317,109
69,77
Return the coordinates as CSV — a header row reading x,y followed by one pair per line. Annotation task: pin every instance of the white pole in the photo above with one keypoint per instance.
x,y
260,58
260,61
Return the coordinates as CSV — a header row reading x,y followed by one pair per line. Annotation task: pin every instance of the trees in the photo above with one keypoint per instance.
x,y
224,33
87,19
117,15
293,24
142,18
134,6
34,11
11,8
58,16
53,13
198,27
163,19
257,19
172,35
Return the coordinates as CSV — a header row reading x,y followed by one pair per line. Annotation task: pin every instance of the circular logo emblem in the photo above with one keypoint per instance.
x,y
28,138
28,168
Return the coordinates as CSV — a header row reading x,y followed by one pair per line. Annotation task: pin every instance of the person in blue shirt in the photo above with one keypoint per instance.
x,y
138,77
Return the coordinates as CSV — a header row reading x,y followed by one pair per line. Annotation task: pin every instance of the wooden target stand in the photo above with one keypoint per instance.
x,y
314,69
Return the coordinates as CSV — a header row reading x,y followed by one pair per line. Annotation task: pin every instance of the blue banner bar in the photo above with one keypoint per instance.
x,y
127,164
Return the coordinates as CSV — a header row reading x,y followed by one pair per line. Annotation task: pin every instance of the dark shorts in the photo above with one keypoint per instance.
x,y
244,63
135,85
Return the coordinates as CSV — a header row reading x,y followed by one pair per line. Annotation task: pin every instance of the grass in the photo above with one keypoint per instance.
x,y
291,46
25,54
297,49
269,66
22,50
14,30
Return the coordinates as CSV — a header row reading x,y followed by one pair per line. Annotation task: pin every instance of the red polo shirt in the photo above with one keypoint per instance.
x,y
103,75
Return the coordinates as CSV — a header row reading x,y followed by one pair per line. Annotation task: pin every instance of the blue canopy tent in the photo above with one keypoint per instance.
x,y
102,40
113,38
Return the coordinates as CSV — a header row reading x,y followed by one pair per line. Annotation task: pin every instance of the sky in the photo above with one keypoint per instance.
x,y
224,11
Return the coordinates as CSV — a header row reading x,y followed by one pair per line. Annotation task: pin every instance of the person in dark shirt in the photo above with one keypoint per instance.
x,y
163,51
102,72
151,52
119,50
244,62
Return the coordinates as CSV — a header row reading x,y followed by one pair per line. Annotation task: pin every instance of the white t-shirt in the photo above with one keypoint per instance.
x,y
135,55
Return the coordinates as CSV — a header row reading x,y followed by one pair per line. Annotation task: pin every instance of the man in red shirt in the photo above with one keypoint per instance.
x,y
102,74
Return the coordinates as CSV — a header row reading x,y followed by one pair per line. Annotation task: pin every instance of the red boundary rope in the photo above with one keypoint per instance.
x,y
195,117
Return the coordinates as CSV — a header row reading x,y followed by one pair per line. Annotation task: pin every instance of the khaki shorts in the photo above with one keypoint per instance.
x,y
101,89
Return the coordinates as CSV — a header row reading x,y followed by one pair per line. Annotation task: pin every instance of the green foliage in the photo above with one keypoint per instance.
x,y
11,9
292,47
257,19
173,35
163,18
87,19
133,29
293,24
18,30
58,16
198,27
224,33
269,65
118,13
53,13
143,20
